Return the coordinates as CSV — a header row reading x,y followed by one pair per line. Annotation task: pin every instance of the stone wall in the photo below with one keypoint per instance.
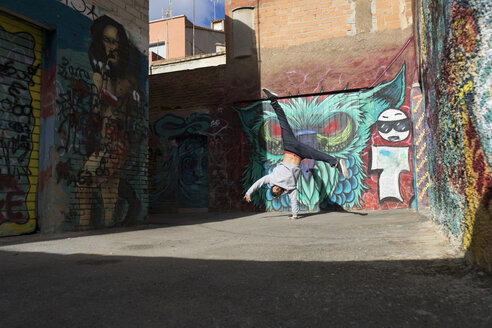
x,y
455,69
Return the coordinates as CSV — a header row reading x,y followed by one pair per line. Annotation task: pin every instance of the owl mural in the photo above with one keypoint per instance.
x,y
338,124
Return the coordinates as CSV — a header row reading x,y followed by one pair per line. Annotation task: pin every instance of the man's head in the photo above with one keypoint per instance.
x,y
277,191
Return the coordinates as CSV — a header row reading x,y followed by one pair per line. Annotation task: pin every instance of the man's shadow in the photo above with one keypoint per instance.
x,y
331,207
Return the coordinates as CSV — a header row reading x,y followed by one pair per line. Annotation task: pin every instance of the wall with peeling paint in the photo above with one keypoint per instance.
x,y
455,51
93,113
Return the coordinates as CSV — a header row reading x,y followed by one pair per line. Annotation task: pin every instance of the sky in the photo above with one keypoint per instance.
x,y
204,10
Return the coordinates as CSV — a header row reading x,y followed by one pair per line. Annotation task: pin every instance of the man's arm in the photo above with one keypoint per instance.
x,y
260,182
293,202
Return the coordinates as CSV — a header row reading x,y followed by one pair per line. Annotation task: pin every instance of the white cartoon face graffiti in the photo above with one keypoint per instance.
x,y
393,125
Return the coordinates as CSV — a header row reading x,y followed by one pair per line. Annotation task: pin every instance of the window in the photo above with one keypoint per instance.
x,y
159,49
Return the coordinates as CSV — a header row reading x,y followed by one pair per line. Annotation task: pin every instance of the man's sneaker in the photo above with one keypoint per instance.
x,y
343,168
270,95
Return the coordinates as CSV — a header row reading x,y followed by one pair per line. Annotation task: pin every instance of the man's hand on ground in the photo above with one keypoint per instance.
x,y
247,198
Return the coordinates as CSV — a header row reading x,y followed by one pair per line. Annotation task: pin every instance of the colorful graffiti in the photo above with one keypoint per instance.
x,y
179,153
19,124
422,182
456,88
102,129
339,124
88,130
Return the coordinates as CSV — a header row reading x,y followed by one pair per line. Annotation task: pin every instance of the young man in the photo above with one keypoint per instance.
x,y
284,176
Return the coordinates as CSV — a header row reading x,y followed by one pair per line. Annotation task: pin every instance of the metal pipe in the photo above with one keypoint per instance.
x,y
193,27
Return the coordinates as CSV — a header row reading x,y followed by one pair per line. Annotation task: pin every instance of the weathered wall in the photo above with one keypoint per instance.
x,y
456,73
312,47
196,146
93,111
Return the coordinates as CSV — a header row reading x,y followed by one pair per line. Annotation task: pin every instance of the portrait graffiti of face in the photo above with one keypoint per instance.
x,y
393,125
111,44
110,48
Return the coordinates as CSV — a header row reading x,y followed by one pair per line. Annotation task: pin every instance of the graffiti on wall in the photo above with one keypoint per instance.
x,y
341,125
19,125
422,182
85,7
450,105
456,79
101,126
181,178
393,126
187,158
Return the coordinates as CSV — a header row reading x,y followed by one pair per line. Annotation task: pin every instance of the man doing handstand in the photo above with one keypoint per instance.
x,y
284,176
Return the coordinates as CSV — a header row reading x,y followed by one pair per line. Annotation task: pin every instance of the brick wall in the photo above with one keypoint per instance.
x,y
284,23
308,47
93,117
194,134
189,89
326,45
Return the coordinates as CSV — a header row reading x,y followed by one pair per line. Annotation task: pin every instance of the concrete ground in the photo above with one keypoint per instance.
x,y
340,269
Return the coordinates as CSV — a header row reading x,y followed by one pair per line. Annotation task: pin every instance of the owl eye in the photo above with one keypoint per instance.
x,y
276,131
337,133
331,128
270,137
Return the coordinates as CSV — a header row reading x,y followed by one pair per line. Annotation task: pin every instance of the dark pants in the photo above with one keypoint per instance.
x,y
295,146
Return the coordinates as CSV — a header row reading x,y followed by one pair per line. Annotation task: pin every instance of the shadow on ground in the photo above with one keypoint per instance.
x,y
154,221
82,290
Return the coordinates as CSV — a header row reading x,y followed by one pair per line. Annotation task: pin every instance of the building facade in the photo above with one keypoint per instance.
x,y
74,114
176,37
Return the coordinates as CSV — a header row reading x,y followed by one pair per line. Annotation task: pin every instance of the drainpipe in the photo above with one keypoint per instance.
x,y
193,27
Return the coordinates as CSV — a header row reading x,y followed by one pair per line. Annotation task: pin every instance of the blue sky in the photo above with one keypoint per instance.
x,y
204,10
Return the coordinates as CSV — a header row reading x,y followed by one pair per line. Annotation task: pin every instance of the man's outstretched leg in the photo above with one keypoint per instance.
x,y
288,137
293,145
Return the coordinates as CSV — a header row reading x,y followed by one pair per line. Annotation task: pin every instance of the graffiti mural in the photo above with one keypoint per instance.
x,y
195,161
456,77
420,128
179,162
393,126
193,172
341,125
101,125
20,47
